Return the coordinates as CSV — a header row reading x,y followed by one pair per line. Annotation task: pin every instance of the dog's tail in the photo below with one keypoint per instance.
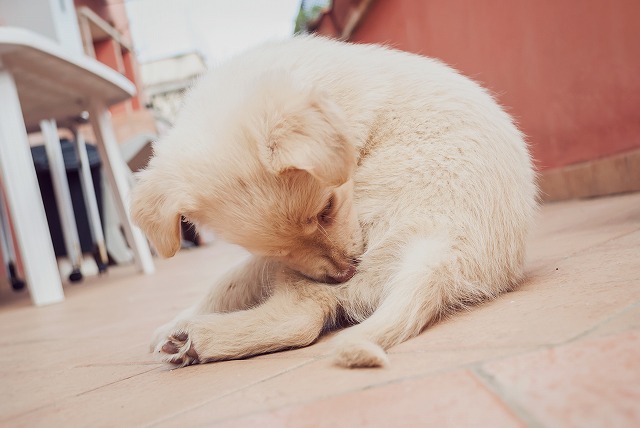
x,y
428,283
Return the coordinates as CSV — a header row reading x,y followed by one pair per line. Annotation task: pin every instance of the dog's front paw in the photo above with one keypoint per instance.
x,y
178,349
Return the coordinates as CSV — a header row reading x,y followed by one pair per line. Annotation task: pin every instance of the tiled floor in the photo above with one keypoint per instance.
x,y
562,350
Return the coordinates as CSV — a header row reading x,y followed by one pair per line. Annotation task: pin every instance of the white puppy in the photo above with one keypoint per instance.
x,y
373,187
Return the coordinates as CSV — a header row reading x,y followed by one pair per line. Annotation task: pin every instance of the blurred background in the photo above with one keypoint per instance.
x,y
568,71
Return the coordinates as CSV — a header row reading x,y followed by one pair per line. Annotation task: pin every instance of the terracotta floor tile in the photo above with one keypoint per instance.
x,y
455,399
593,383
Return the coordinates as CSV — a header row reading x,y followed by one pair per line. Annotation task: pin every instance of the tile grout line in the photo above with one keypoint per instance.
x,y
494,387
591,247
114,382
53,403
600,244
120,364
610,318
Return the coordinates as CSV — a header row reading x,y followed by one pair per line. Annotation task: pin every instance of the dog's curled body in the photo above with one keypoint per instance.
x,y
314,154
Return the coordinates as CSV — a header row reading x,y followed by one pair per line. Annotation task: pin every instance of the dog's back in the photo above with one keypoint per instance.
x,y
435,151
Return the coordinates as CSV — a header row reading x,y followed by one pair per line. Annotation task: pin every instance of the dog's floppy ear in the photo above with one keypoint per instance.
x,y
156,206
303,130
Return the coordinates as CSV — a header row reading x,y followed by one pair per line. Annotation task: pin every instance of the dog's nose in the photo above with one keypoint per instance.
x,y
342,276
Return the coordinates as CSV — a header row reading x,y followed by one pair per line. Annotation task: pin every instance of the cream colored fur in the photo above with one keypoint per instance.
x,y
316,155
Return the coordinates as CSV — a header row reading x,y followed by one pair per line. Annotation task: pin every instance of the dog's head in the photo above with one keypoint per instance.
x,y
280,184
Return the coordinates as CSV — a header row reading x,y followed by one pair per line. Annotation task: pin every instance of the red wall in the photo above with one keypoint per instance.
x,y
569,71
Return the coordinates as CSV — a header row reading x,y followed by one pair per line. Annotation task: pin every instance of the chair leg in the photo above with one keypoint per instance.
x,y
116,173
91,204
18,177
62,194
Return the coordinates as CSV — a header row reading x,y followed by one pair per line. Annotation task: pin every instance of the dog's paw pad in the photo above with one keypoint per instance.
x,y
359,354
182,336
178,349
170,348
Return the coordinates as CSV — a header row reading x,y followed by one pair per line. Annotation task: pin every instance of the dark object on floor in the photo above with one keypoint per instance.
x,y
72,166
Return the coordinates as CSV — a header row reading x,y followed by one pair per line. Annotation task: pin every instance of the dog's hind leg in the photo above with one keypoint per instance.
x,y
425,284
